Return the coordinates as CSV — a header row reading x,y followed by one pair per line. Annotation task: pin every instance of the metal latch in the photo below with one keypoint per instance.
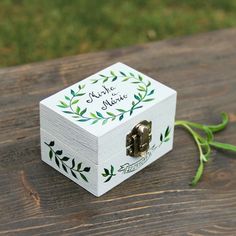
x,y
137,141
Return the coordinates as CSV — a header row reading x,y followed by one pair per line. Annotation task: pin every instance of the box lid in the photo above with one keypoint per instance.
x,y
99,104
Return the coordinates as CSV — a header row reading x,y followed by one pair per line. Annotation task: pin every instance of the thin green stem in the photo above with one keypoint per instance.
x,y
207,141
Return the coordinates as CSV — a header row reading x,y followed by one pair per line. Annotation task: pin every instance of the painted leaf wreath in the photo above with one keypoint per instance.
x,y
63,162
144,94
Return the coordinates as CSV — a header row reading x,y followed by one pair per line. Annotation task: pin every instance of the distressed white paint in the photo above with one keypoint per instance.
x,y
100,146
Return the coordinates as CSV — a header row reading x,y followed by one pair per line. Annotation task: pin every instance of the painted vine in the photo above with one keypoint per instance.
x,y
143,95
63,162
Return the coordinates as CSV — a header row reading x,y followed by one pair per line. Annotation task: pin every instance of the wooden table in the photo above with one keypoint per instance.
x,y
37,200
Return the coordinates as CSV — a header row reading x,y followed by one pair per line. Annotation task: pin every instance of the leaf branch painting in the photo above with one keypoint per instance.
x,y
143,95
165,137
66,163
108,173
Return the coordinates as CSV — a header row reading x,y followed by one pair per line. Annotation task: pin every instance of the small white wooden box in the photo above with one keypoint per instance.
x,y
84,128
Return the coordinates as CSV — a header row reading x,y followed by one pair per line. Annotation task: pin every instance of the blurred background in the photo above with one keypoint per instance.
x,y
33,30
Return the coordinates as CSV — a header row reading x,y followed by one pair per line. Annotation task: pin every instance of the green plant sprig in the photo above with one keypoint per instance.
x,y
63,162
205,143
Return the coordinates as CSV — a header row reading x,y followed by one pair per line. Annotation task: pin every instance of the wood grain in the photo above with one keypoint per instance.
x,y
36,200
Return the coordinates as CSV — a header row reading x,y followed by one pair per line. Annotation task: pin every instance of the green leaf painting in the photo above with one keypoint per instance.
x,y
67,164
165,137
108,174
143,94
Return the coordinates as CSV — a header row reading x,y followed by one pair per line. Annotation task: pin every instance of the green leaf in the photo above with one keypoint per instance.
x,y
80,94
104,121
137,107
83,177
73,173
122,73
65,158
140,77
57,161
112,73
137,97
110,114
59,152
135,82
224,146
93,115
108,179
151,92
63,104
50,154
84,120
104,175
105,80
106,171
112,169
51,144
167,131
102,75
74,102
166,140
198,174
73,164
125,79
68,112
64,168
148,100
82,112
79,166
120,110
72,92
149,83
77,110
131,74
67,98
99,114
86,169
114,79
121,117
161,138
141,88
94,122
94,81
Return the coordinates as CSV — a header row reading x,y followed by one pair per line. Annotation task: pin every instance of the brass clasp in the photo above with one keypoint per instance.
x,y
137,141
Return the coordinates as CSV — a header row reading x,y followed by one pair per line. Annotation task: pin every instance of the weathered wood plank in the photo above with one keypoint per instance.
x,y
36,200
